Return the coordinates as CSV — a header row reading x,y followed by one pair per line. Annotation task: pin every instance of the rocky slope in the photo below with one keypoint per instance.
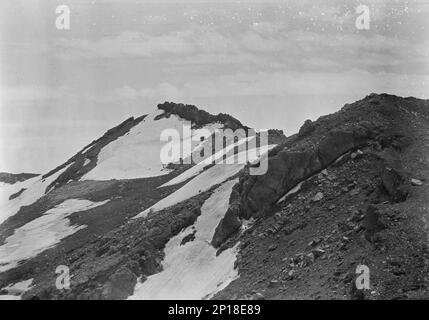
x,y
348,189
12,178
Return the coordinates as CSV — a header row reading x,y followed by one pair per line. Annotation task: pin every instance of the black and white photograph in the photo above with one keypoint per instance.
x,y
231,151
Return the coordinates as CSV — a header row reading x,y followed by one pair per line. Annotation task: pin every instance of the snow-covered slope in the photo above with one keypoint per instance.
x,y
35,188
123,176
7,189
204,181
42,233
192,270
228,151
137,154
16,290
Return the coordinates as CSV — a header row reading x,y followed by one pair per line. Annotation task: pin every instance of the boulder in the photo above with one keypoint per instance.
x,y
416,182
317,197
394,184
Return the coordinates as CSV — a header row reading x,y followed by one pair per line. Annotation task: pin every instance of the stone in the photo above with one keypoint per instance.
x,y
356,154
317,197
393,183
272,247
355,192
313,243
274,284
356,216
258,296
318,252
416,182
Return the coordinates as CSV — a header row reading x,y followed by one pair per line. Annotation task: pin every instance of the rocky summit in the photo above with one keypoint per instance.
x,y
344,201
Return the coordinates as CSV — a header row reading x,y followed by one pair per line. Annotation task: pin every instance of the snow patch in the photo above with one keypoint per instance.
x,y
204,181
192,270
17,289
6,189
201,183
42,233
137,154
35,189
199,167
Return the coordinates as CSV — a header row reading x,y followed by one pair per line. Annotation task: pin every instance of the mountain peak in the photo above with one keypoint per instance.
x,y
199,117
334,194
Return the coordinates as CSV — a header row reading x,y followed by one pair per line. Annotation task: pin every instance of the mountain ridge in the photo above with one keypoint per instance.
x,y
266,222
12,178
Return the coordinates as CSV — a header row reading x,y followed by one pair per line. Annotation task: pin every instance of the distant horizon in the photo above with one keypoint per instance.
x,y
120,121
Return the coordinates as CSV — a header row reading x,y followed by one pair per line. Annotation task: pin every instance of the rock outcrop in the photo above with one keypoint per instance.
x,y
199,117
318,145
12,178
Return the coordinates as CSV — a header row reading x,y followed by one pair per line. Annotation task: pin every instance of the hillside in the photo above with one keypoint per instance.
x,y
348,189
12,178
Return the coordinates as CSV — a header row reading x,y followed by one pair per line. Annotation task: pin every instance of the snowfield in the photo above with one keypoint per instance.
x,y
204,181
199,167
6,189
42,233
35,189
192,270
137,153
16,290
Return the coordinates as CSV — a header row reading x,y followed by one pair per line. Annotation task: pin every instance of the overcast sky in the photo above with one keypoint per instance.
x,y
271,64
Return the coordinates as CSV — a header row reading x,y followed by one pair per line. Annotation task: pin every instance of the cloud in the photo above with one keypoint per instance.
x,y
262,45
164,90
129,43
30,94
284,84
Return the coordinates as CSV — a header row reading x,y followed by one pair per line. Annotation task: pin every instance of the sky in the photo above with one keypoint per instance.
x,y
271,64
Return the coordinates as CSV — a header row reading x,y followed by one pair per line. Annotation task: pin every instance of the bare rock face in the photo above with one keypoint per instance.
x,y
255,194
229,225
318,145
231,221
394,184
285,170
12,178
372,223
307,128
197,116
